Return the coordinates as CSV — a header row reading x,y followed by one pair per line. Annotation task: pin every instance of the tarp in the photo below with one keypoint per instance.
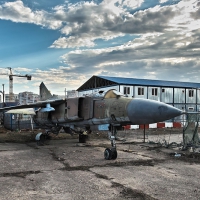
x,y
23,111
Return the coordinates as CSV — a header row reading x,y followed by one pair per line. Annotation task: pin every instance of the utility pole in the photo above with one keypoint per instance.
x,y
11,94
3,94
65,93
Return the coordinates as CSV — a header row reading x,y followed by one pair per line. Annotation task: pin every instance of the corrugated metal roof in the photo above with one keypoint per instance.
x,y
149,82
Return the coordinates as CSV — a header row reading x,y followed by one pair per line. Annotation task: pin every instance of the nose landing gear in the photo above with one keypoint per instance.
x,y
111,153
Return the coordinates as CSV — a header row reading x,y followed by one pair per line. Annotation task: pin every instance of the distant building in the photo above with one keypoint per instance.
x,y
72,93
28,97
7,98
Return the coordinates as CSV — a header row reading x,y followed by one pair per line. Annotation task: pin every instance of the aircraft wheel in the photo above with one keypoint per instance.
x,y
108,154
40,138
114,154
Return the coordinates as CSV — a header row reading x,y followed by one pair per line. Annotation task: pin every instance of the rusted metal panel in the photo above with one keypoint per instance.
x,y
116,108
86,108
59,111
72,108
99,109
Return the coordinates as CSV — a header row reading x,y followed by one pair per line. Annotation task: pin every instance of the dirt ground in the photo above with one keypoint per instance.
x,y
65,169
138,134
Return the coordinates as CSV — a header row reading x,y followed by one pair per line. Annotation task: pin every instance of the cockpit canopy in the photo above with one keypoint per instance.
x,y
112,94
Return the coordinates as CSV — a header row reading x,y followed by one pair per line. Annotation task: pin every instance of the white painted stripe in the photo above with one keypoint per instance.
x,y
168,124
134,127
153,125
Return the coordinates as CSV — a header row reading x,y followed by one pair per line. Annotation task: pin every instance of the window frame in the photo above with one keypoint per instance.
x,y
127,90
140,91
154,91
191,93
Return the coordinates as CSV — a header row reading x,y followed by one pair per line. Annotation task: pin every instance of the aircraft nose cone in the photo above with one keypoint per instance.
x,y
145,111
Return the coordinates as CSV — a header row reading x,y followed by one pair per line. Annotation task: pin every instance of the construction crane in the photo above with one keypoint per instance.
x,y
11,94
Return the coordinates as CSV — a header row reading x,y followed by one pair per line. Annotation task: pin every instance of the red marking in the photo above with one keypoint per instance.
x,y
127,127
161,125
176,124
142,126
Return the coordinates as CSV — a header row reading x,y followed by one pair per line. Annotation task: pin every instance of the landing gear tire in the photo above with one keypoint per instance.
x,y
110,154
40,138
114,154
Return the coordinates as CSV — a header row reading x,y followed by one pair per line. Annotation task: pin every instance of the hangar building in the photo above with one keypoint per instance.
x,y
182,95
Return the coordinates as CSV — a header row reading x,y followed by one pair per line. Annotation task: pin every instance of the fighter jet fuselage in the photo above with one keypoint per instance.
x,y
84,114
113,108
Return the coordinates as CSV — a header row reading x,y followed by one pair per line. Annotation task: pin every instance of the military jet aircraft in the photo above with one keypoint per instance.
x,y
84,114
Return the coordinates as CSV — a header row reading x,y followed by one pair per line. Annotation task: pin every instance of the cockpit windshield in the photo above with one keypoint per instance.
x,y
112,94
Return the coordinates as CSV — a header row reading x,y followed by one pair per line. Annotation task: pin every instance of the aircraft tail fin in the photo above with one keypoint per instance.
x,y
44,92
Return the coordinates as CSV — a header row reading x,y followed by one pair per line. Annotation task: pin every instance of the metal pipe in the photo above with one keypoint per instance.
x,y
3,94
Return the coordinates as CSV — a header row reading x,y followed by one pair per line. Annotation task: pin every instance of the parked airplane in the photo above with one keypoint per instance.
x,y
84,114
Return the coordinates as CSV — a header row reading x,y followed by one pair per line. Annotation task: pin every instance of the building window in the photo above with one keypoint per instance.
x,y
191,108
140,91
163,90
191,93
155,91
126,90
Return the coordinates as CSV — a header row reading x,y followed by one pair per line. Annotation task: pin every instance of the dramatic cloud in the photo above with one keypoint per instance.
x,y
116,38
163,1
17,12
174,43
88,22
196,14
166,46
61,79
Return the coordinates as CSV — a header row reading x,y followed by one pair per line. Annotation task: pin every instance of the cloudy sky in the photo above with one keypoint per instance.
x,y
65,42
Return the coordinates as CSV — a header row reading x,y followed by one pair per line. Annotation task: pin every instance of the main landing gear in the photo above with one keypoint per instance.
x,y
42,137
111,153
